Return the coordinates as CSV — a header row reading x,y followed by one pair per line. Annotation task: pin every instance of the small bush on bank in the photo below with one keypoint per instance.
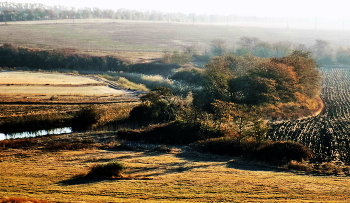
x,y
176,132
299,166
280,153
326,168
224,146
329,168
24,143
109,170
86,117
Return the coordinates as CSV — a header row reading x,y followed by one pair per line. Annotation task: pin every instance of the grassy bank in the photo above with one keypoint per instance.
x,y
178,176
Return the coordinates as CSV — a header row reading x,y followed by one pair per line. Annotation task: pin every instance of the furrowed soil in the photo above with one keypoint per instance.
x,y
180,175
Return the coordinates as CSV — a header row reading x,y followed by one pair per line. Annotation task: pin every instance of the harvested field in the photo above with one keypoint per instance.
x,y
62,90
136,36
37,78
37,87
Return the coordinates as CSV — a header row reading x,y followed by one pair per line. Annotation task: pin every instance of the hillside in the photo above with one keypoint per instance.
x,y
153,175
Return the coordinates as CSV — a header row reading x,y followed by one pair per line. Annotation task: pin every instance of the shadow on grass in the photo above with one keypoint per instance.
x,y
231,162
81,180
242,165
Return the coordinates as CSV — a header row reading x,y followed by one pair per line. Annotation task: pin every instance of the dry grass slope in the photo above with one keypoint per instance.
x,y
178,176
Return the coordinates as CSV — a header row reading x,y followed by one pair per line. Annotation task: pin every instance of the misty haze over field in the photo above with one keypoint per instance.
x,y
269,13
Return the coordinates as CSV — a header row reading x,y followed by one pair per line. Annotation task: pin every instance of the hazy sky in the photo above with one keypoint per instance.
x,y
273,8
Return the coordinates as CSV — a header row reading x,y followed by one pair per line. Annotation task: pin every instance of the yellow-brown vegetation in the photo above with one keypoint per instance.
x,y
178,176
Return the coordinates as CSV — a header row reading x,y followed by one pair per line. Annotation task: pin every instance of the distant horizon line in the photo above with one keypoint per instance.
x,y
315,17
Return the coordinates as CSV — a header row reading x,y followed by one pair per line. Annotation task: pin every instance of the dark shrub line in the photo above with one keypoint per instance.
x,y
68,59
11,57
33,123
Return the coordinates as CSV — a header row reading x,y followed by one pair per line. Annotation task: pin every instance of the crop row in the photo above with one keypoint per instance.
x,y
327,134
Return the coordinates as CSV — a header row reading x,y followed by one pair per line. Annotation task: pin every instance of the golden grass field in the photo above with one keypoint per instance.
x,y
179,176
151,176
38,78
17,86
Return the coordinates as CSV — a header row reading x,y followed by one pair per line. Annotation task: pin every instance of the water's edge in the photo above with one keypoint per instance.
x,y
55,131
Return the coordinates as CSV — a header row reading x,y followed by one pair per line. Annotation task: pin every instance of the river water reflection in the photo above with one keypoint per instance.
x,y
55,131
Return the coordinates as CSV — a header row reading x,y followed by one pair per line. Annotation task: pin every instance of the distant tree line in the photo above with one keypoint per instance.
x,y
11,57
28,12
321,51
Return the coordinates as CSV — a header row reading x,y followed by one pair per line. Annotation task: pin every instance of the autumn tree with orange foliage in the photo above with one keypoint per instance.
x,y
292,80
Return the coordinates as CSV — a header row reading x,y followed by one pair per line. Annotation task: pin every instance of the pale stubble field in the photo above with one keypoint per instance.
x,y
25,86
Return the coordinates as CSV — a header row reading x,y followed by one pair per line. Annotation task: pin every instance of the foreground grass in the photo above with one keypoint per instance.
x,y
177,176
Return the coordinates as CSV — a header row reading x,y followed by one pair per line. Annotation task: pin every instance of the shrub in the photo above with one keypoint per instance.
x,y
109,170
86,117
153,68
329,168
175,132
224,146
156,107
300,166
281,153
23,143
192,77
177,57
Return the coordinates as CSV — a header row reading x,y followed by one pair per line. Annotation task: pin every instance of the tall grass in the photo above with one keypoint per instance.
x,y
149,81
131,85
34,122
162,69
114,113
96,116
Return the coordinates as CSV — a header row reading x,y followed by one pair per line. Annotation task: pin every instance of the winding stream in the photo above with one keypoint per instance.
x,y
55,131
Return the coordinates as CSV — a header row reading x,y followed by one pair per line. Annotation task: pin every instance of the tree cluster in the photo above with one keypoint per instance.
x,y
321,51
11,57
257,81
28,11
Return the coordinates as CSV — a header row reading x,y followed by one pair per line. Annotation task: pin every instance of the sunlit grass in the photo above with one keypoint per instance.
x,y
144,82
179,176
114,112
